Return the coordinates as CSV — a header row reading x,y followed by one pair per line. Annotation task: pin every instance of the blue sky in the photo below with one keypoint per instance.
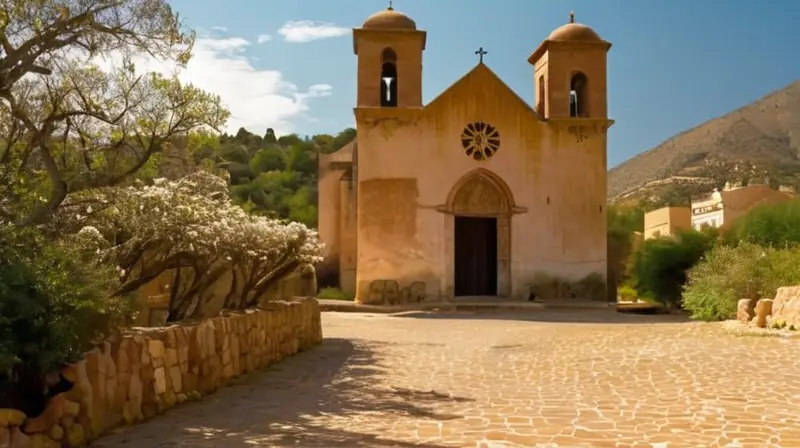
x,y
674,63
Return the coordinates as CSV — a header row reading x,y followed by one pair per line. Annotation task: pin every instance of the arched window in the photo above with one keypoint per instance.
x,y
388,78
541,106
578,96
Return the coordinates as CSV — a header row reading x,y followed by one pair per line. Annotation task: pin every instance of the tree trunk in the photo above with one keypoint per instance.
x,y
270,280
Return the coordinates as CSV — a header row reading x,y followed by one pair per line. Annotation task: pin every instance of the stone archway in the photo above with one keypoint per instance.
x,y
480,194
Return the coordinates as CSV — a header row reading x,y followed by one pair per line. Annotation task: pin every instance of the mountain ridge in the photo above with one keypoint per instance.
x,y
758,140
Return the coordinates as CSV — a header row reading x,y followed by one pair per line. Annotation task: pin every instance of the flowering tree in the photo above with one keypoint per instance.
x,y
88,128
192,227
74,112
35,33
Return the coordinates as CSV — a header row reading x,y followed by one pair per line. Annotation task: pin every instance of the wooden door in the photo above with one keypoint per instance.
x,y
475,256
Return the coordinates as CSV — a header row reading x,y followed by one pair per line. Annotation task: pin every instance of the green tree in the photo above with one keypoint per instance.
x,y
271,158
302,158
301,207
289,140
35,34
277,176
90,128
269,137
660,266
622,224
769,225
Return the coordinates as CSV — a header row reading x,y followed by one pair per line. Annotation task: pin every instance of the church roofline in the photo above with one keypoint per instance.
x,y
343,155
483,66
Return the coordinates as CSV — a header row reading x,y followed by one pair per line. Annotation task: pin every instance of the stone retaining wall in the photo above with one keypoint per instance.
x,y
783,312
786,307
142,373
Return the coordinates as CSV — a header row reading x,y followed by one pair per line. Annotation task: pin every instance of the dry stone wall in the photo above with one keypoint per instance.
x,y
133,377
786,307
781,312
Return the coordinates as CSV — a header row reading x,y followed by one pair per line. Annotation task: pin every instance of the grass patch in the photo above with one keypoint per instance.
x,y
334,294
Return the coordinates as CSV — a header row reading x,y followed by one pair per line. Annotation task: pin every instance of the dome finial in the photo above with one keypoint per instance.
x,y
390,6
571,16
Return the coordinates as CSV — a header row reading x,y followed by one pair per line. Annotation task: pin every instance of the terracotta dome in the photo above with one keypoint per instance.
x,y
389,19
574,32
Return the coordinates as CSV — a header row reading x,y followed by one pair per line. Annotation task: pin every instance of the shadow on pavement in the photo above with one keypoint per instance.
x,y
555,316
325,397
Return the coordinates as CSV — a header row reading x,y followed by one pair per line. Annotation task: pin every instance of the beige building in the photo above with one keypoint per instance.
x,y
719,209
667,221
479,191
722,208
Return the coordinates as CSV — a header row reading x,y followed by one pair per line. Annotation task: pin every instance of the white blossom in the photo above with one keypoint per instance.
x,y
192,215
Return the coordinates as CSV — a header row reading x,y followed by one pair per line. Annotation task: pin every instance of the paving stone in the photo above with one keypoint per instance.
x,y
548,379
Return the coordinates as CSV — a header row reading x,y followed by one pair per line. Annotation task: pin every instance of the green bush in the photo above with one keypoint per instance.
x,y
776,225
622,224
333,294
54,304
660,265
728,274
627,293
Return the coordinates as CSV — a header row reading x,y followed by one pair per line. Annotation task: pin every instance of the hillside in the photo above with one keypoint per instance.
x,y
760,140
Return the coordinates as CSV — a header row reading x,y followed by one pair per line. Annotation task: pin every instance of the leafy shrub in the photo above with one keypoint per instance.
x,y
776,225
622,224
54,304
660,265
333,294
728,274
627,293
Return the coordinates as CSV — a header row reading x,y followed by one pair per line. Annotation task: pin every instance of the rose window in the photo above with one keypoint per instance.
x,y
480,140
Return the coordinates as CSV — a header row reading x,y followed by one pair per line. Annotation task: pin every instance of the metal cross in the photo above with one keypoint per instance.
x,y
390,5
480,52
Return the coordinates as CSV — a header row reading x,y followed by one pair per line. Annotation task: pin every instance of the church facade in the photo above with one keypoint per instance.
x,y
477,193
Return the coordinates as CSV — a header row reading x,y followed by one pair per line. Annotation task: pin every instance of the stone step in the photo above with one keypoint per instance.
x,y
458,305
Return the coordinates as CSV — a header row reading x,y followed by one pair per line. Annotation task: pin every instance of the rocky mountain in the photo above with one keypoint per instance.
x,y
760,141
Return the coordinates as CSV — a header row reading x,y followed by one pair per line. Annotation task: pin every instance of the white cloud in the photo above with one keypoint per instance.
x,y
224,29
317,90
257,99
300,31
263,38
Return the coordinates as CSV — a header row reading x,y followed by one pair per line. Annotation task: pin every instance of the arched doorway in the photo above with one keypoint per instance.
x,y
478,228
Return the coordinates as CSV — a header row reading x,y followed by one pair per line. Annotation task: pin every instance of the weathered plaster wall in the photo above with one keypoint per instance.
x,y
328,211
146,371
347,235
410,159
335,171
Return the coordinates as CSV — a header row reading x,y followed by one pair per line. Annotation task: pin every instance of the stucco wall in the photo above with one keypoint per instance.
x,y
332,205
667,221
146,371
410,159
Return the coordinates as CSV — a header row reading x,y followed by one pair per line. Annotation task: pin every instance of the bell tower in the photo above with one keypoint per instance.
x,y
389,49
570,73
